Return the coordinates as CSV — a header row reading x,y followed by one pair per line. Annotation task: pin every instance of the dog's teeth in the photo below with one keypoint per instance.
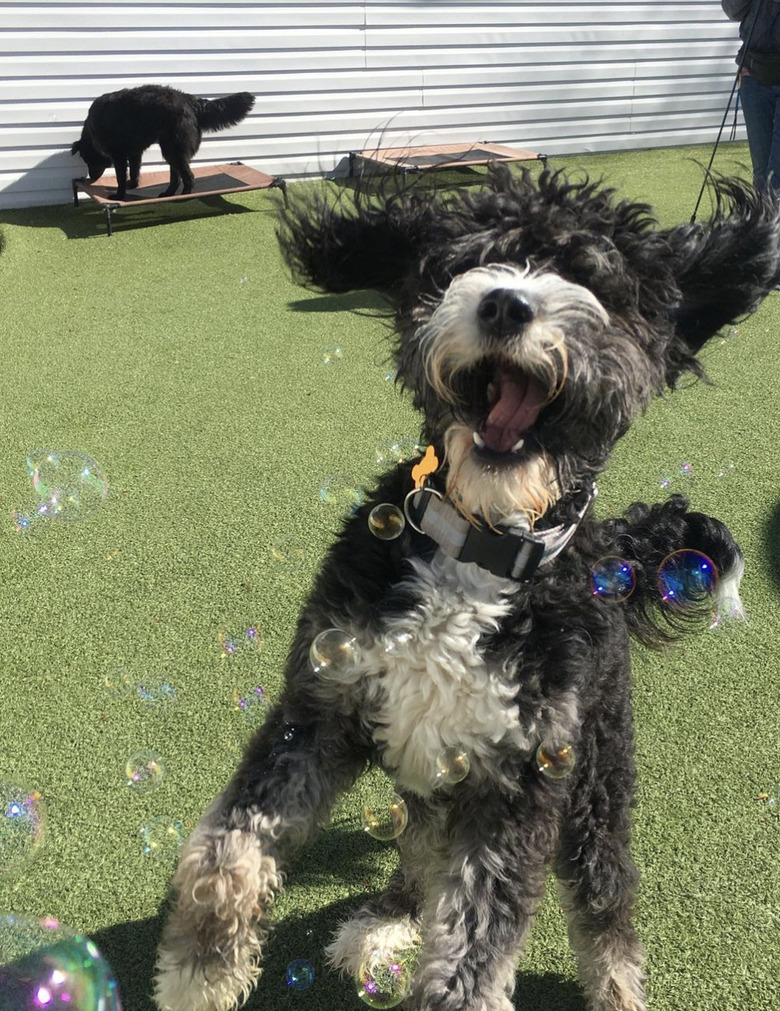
x,y
518,445
478,440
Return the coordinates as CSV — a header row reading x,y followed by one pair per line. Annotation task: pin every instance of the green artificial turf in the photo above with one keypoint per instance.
x,y
182,358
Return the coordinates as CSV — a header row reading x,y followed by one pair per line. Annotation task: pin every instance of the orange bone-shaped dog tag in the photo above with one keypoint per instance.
x,y
428,465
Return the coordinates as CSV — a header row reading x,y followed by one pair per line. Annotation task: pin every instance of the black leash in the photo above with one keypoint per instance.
x,y
728,106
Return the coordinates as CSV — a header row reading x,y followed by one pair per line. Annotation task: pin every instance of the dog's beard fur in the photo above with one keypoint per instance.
x,y
453,341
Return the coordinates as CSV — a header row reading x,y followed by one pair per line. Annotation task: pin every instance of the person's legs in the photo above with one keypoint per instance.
x,y
758,106
773,165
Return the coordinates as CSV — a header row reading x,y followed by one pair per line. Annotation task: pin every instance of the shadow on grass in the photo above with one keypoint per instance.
x,y
351,301
88,221
340,854
772,543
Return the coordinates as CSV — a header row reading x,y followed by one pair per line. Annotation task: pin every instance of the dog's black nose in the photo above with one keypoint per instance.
x,y
504,310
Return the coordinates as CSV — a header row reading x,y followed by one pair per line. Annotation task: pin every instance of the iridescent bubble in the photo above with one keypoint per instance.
x,y
386,521
665,481
452,766
686,470
612,578
144,771
162,837
119,682
253,705
245,642
383,984
555,759
156,694
334,651
341,491
68,483
22,826
288,554
726,469
394,451
299,974
385,819
687,578
46,965
728,610
333,355
28,520
396,642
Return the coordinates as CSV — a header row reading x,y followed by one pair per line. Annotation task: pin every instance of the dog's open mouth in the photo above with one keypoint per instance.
x,y
514,402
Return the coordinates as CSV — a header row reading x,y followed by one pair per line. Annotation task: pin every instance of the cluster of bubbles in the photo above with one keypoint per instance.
x,y
144,771
341,491
299,974
68,485
44,964
22,826
685,578
383,983
555,759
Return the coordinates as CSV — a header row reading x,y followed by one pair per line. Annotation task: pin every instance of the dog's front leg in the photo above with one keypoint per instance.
x,y
232,865
479,911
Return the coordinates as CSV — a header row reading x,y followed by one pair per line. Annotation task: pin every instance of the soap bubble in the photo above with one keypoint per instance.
x,y
385,818
299,974
725,469
452,766
22,826
727,611
144,771
687,578
386,521
555,759
69,484
253,705
156,694
612,578
333,355
340,490
383,984
244,642
162,837
334,651
394,451
46,965
288,554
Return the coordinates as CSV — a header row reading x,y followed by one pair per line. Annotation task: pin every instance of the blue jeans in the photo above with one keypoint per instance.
x,y
761,108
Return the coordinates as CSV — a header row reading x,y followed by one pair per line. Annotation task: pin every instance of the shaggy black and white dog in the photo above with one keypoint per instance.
x,y
535,321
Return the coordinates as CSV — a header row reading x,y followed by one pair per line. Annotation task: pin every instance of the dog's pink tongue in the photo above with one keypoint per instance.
x,y
517,408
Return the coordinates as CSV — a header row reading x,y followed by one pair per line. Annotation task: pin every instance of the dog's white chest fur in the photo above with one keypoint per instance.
x,y
430,686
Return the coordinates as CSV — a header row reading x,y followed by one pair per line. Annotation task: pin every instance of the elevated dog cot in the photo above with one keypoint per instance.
x,y
410,159
210,181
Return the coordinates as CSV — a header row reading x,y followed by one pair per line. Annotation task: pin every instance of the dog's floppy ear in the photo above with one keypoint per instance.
x,y
725,267
360,243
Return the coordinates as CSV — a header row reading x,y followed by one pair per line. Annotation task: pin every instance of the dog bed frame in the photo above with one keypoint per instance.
x,y
411,159
210,181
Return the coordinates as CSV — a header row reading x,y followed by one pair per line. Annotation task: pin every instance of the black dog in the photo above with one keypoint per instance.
x,y
535,321
120,126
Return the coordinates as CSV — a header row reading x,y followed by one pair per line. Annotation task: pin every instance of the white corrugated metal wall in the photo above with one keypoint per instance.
x,y
332,77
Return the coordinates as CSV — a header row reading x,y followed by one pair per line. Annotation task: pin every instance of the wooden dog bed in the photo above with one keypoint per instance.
x,y
210,181
438,156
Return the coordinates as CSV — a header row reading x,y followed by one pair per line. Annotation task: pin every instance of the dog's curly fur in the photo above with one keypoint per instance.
x,y
535,320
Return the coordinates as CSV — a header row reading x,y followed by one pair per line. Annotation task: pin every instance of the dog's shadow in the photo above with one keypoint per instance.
x,y
338,855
